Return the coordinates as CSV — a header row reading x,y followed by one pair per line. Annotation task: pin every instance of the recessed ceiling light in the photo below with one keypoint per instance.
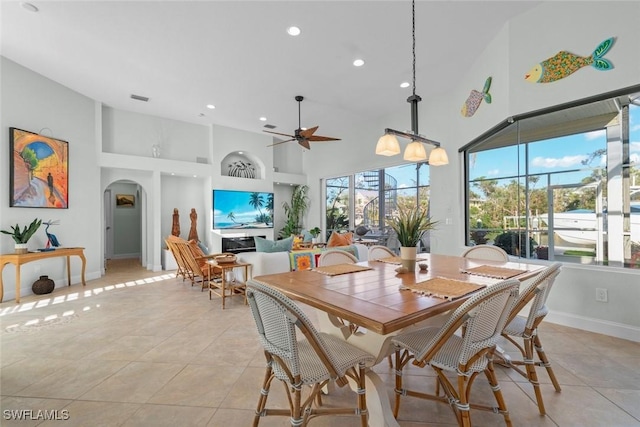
x,y
358,62
211,106
240,152
28,6
263,119
293,31
404,84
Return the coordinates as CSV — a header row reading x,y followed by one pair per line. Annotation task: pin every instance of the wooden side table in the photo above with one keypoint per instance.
x,y
227,289
18,259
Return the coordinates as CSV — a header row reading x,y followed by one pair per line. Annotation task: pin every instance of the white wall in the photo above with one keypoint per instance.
x,y
184,193
125,132
32,102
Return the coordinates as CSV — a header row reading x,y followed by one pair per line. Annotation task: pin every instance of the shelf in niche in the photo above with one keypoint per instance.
x,y
238,165
289,178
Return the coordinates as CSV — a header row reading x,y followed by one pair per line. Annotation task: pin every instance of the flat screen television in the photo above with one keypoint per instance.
x,y
242,209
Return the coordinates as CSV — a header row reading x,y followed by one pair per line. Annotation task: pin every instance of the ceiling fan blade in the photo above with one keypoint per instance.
x,y
305,143
278,133
281,142
318,138
308,132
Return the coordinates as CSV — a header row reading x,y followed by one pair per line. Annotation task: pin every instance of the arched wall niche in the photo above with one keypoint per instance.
x,y
240,164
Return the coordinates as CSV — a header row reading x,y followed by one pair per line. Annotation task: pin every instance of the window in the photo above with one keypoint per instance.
x,y
562,185
375,196
337,208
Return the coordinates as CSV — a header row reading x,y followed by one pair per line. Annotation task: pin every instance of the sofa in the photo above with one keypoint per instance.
x,y
279,262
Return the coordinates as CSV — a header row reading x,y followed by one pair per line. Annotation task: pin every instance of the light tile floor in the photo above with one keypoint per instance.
x,y
138,348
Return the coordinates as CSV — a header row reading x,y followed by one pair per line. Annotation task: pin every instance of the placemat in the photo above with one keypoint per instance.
x,y
493,272
396,260
334,270
440,287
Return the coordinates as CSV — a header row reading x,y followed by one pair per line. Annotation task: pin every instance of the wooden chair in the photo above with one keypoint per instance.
x,y
488,252
182,265
197,268
465,355
379,251
522,331
336,256
310,358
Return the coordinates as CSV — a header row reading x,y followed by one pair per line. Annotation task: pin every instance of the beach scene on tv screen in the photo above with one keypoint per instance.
x,y
242,209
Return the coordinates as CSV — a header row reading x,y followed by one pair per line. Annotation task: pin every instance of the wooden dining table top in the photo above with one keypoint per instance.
x,y
373,298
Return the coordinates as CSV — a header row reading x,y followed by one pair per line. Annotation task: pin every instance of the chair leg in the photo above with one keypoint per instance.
x,y
532,375
362,398
264,394
399,391
493,382
296,410
462,407
545,362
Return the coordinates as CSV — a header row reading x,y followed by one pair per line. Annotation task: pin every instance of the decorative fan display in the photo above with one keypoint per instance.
x,y
303,136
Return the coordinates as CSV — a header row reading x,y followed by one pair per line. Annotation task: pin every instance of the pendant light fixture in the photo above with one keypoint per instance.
x,y
415,152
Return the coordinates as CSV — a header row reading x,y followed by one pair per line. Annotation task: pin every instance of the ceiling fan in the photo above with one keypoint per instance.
x,y
303,136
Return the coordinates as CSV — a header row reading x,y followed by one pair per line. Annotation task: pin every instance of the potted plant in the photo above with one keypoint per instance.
x,y
409,224
315,232
22,236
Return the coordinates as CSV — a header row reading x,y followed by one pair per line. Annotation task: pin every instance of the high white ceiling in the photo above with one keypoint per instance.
x,y
237,55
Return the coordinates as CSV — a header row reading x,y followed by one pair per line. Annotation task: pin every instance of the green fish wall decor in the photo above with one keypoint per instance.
x,y
564,63
475,99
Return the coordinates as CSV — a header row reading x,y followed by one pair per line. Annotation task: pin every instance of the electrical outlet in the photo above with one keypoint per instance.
x,y
601,295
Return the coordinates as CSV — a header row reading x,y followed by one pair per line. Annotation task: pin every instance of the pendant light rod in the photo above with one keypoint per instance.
x,y
388,144
414,99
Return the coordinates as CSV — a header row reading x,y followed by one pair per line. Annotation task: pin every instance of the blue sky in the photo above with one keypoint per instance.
x,y
554,155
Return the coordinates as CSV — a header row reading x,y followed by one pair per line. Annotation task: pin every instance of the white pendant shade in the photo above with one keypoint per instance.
x,y
438,157
415,152
388,145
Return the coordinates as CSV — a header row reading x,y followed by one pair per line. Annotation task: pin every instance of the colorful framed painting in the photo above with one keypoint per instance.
x,y
125,200
38,170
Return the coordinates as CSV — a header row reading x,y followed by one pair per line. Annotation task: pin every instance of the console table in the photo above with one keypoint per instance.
x,y
18,259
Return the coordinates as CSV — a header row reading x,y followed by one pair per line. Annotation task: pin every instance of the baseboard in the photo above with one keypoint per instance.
x,y
126,256
605,327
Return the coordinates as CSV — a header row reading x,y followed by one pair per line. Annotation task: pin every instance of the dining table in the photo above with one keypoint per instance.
x,y
368,303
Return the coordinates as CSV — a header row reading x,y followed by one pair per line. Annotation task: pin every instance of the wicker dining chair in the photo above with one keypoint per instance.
x,y
313,359
379,251
486,252
522,331
336,256
482,317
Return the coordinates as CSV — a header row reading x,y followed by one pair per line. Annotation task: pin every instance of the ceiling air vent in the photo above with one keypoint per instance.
x,y
270,126
139,98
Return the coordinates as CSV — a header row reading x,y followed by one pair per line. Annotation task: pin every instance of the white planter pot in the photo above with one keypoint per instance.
x,y
21,248
408,256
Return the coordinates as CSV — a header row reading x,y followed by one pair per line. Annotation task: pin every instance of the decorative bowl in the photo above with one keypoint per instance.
x,y
222,259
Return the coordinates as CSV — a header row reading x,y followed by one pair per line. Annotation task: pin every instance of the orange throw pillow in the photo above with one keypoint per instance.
x,y
340,239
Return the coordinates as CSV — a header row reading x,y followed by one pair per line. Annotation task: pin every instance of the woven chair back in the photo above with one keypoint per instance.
x,y
379,251
536,293
486,252
277,317
483,317
336,256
